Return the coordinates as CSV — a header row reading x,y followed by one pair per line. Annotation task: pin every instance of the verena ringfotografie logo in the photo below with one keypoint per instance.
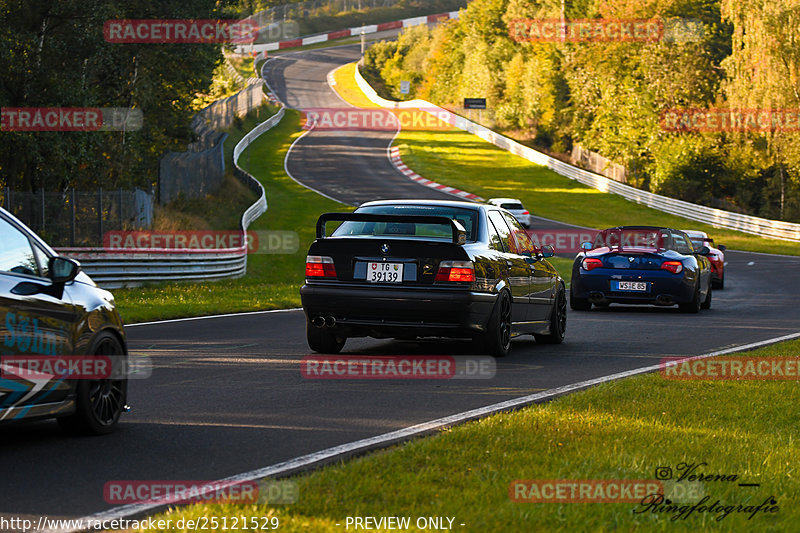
x,y
180,31
731,368
91,367
708,120
397,367
70,119
256,242
367,119
125,492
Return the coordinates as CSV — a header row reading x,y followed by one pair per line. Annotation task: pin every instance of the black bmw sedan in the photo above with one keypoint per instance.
x,y
53,320
417,268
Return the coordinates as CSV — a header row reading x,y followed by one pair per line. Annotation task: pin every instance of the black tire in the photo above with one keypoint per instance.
x,y
694,305
323,340
707,302
719,284
579,304
558,320
99,403
497,339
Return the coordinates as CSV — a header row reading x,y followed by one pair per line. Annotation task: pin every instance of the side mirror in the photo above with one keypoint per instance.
x,y
722,247
548,251
586,246
703,251
63,269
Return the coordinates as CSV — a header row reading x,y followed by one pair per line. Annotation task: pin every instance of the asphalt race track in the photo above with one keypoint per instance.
x,y
226,395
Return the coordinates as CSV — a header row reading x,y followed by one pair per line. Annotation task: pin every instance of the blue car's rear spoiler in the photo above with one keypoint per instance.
x,y
459,233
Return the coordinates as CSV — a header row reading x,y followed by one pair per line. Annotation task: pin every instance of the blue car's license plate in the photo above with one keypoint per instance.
x,y
630,286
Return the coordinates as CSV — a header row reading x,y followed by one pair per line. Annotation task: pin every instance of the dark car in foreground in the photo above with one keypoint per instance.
x,y
406,269
641,265
51,311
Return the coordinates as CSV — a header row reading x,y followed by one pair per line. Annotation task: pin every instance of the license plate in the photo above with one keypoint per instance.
x,y
385,272
636,286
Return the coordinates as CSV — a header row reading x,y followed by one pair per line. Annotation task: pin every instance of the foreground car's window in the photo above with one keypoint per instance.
x,y
467,218
524,244
509,244
16,254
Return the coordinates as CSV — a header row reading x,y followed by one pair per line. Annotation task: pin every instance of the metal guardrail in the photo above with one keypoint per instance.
x,y
774,229
113,269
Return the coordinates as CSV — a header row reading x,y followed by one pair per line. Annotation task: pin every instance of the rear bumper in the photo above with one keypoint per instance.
x,y
717,270
390,312
664,288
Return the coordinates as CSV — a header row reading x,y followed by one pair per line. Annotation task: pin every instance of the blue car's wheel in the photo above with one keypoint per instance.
x,y
579,304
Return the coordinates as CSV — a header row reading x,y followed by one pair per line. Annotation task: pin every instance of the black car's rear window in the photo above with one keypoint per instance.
x,y
467,217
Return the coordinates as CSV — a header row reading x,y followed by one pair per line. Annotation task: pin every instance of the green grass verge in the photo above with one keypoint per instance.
x,y
620,430
466,162
272,281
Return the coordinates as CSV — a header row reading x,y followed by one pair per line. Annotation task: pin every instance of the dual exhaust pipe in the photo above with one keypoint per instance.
x,y
323,321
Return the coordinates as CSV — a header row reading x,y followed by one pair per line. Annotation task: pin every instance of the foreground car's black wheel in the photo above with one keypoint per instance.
x,y
707,302
497,339
579,304
99,403
558,320
323,340
694,305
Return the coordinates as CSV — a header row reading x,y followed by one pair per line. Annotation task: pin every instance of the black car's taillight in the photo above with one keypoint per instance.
x,y
456,271
318,266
